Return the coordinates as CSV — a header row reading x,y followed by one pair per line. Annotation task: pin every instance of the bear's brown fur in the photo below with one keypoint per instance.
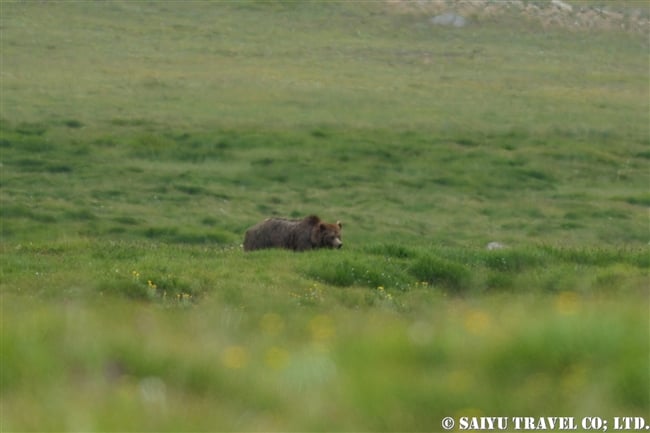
x,y
298,235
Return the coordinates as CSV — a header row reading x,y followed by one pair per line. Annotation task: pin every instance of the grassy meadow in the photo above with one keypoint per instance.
x,y
139,140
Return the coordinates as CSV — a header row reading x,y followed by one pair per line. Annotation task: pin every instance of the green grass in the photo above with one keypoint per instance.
x,y
139,140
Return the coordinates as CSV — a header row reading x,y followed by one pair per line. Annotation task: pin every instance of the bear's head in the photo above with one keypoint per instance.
x,y
327,235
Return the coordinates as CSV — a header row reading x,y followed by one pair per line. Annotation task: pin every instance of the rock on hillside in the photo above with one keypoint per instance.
x,y
549,13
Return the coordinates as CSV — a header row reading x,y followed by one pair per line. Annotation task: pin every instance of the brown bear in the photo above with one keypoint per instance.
x,y
298,235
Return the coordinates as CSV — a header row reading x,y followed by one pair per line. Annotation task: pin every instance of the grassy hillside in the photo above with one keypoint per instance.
x,y
139,140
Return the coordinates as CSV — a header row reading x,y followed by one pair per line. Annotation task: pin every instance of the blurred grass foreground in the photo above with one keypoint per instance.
x,y
492,179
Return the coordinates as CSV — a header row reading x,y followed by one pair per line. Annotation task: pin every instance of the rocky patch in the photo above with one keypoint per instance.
x,y
551,13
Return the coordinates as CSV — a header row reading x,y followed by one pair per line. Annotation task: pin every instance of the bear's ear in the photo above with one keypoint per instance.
x,y
338,223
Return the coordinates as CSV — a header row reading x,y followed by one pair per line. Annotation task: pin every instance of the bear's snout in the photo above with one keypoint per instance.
x,y
340,245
